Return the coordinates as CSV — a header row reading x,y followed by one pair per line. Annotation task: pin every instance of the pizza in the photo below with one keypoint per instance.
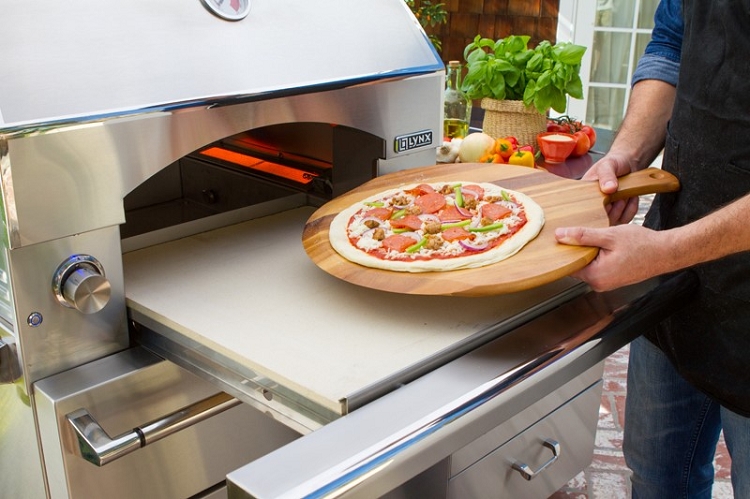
x,y
436,227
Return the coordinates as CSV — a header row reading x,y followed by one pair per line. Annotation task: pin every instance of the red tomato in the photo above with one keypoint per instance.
x,y
591,133
556,127
583,144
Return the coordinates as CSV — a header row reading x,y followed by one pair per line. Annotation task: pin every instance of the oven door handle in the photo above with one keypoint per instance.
x,y
99,448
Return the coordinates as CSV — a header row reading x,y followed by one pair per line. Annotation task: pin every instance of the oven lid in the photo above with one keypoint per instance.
x,y
78,60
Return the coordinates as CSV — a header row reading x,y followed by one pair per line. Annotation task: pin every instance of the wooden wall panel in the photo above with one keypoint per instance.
x,y
494,19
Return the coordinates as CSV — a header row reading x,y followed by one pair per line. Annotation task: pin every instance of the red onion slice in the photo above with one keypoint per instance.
x,y
464,212
471,246
429,217
413,235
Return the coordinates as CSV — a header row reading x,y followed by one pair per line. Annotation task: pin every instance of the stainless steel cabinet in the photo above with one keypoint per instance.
x,y
551,441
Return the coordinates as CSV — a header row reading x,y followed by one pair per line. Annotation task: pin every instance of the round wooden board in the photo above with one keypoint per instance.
x,y
565,202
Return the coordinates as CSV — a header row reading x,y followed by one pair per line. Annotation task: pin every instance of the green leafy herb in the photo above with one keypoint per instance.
x,y
507,69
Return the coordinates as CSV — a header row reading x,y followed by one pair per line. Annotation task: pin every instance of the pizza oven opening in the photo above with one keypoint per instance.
x,y
317,160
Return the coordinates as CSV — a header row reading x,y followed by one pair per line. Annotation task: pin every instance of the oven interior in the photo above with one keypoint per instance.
x,y
319,160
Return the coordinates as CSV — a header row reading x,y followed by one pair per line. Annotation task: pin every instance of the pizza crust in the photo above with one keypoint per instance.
x,y
339,239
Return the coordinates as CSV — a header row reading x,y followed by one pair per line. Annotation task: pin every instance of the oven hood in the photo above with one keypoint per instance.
x,y
84,60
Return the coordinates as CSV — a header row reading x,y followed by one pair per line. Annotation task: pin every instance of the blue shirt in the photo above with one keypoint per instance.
x,y
661,60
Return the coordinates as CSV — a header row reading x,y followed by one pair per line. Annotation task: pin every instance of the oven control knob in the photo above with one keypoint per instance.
x,y
79,283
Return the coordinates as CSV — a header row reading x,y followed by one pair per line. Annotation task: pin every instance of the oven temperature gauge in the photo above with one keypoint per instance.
x,y
231,10
79,283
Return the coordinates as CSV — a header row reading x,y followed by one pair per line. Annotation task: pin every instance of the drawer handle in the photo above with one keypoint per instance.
x,y
527,472
99,448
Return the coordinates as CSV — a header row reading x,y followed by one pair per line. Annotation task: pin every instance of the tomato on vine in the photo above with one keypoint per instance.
x,y
591,133
583,144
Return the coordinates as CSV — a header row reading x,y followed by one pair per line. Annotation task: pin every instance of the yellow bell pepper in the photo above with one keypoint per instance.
x,y
522,158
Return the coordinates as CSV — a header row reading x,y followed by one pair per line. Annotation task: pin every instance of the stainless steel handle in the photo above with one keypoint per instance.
x,y
527,472
99,448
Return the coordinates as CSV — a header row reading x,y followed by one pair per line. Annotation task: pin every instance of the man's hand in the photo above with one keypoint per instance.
x,y
621,258
606,171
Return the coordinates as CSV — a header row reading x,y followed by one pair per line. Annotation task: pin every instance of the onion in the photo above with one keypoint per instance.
x,y
474,146
473,246
464,212
413,235
429,217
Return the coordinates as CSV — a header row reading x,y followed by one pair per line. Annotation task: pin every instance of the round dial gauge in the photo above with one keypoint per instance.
x,y
231,10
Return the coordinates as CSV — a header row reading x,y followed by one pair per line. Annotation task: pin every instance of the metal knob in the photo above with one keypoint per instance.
x,y
79,283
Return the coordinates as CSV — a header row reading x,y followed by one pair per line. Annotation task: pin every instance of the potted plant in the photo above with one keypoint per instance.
x,y
518,85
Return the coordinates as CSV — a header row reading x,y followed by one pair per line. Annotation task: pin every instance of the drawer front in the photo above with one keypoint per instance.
x,y
572,426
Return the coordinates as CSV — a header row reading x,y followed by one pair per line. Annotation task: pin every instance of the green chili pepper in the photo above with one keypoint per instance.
x,y
416,247
505,195
375,204
455,224
487,228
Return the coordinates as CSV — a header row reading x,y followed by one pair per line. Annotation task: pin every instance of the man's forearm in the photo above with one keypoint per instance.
x,y
721,233
642,134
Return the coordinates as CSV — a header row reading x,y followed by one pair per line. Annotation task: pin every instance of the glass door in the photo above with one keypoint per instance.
x,y
616,33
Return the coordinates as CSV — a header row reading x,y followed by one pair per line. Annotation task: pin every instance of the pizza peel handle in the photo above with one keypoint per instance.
x,y
648,181
566,203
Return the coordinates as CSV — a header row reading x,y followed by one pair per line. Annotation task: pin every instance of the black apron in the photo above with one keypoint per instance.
x,y
708,149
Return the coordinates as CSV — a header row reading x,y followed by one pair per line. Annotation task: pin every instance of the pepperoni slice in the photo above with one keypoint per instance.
x,y
430,203
495,211
478,190
456,233
381,213
398,242
453,214
421,189
411,222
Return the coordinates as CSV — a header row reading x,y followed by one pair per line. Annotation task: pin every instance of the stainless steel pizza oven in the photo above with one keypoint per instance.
x,y
162,331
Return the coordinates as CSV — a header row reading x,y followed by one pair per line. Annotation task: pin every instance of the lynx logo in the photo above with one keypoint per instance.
x,y
412,141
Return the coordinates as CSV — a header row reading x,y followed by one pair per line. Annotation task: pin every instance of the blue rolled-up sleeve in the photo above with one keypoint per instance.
x,y
661,59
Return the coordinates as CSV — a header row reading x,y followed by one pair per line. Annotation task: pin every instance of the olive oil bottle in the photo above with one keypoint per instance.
x,y
456,107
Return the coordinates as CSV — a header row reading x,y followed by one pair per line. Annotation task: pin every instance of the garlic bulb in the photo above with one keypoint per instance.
x,y
448,152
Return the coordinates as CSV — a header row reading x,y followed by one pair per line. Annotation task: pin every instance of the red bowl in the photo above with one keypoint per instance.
x,y
556,146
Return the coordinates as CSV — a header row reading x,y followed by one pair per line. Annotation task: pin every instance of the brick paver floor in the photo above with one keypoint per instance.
x,y
607,477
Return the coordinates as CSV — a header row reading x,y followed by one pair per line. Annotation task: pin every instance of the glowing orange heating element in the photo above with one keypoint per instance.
x,y
253,163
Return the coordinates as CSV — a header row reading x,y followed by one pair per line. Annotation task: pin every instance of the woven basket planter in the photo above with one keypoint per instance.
x,y
503,118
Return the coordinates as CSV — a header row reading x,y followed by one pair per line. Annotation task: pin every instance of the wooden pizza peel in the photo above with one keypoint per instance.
x,y
566,203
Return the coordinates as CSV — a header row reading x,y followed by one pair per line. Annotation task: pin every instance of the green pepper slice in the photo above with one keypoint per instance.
x,y
416,247
462,223
487,228
399,214
459,195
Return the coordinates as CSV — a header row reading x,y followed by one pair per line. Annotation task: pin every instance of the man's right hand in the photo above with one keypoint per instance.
x,y
606,171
